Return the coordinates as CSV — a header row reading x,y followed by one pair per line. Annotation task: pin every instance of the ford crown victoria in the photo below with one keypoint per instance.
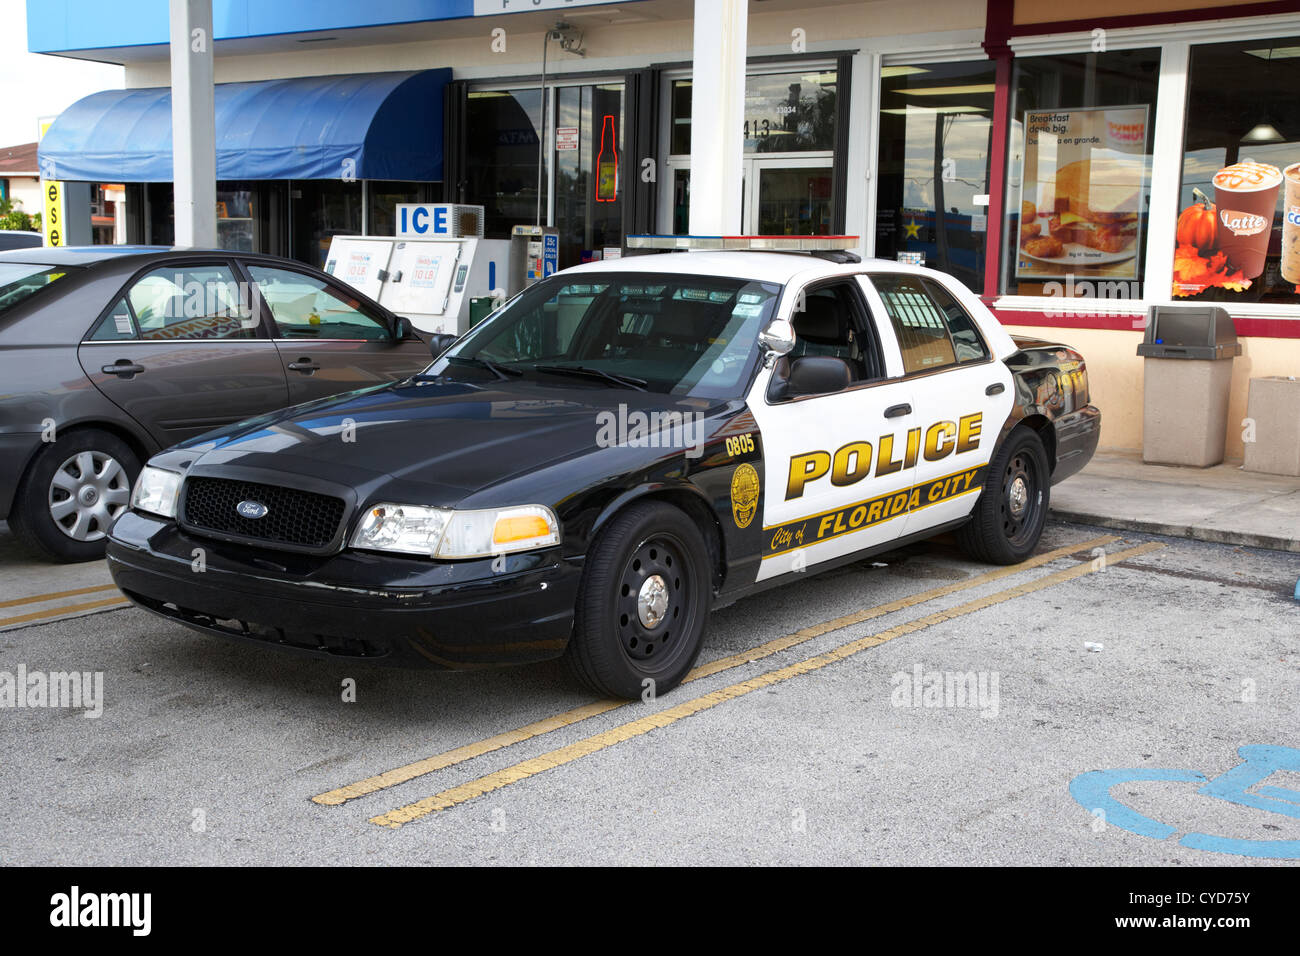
x,y
623,447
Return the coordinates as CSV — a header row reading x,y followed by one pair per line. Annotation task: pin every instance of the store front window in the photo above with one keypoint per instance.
x,y
319,210
501,155
1079,173
587,146
936,125
1238,236
382,200
787,185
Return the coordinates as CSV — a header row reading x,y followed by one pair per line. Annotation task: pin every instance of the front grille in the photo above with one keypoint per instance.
x,y
300,519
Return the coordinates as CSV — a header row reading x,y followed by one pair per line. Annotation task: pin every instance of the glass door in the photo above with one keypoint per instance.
x,y
587,147
792,196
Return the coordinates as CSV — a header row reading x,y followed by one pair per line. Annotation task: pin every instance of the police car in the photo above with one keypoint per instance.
x,y
621,448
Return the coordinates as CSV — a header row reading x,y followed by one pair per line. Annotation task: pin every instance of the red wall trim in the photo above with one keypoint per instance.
x,y
999,28
997,173
1247,326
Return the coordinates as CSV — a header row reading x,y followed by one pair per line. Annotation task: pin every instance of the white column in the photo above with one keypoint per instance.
x,y
1166,171
861,162
718,116
194,156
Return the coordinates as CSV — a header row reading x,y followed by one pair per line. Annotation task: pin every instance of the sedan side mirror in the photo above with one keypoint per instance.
x,y
439,342
402,328
809,375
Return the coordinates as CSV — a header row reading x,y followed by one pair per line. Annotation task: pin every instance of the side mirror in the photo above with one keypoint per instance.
x,y
809,375
777,337
402,328
439,342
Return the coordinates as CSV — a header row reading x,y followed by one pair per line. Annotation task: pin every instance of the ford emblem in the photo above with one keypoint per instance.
x,y
251,509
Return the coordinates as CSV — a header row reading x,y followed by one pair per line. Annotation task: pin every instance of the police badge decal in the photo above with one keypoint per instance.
x,y
744,494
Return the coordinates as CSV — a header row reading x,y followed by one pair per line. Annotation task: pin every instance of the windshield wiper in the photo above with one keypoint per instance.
x,y
500,371
583,371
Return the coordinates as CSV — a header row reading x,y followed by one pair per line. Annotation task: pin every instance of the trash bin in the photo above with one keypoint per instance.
x,y
480,307
1272,433
1188,353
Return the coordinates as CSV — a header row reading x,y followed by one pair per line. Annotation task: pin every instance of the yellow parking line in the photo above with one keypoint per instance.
x,y
55,595
67,609
442,761
636,728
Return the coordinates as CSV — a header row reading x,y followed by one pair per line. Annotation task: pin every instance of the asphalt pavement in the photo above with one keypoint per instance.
x,y
916,708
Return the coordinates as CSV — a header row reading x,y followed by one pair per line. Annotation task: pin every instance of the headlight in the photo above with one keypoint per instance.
x,y
156,491
442,533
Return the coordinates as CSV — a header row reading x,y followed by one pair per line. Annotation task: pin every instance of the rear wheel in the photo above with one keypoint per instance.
x,y
642,604
1009,516
72,493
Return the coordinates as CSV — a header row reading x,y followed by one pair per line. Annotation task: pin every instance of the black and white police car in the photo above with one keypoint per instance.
x,y
621,448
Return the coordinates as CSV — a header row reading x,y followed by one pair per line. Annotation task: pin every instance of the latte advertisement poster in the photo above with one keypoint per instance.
x,y
1226,236
1083,192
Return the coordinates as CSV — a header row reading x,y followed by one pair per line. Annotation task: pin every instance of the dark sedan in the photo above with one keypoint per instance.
x,y
109,354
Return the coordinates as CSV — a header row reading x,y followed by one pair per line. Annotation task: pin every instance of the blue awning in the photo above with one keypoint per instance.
x,y
365,125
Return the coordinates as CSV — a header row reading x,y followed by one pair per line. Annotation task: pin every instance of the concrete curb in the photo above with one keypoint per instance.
x,y
1195,532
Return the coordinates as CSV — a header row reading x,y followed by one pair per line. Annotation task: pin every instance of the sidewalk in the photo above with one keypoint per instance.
x,y
1222,504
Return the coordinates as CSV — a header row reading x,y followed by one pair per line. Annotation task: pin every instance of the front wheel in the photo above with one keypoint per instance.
x,y
643,602
71,493
1012,509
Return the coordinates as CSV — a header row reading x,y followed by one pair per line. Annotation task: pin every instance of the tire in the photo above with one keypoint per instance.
x,y
997,532
71,493
629,629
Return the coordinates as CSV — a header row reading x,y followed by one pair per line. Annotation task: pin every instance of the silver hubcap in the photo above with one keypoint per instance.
x,y
88,491
1018,497
652,601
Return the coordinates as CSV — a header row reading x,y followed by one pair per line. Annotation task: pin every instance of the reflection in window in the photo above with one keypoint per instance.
x,y
501,158
784,112
1079,173
935,131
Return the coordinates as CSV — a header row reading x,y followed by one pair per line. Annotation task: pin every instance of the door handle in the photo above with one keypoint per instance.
x,y
123,367
997,388
304,365
895,411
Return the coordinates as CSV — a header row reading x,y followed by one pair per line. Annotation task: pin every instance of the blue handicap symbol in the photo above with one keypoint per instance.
x,y
1259,761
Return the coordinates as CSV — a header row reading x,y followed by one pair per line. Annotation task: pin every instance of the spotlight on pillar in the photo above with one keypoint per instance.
x,y
1264,132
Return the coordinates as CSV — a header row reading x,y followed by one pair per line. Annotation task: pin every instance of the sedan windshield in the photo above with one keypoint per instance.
x,y
662,332
18,280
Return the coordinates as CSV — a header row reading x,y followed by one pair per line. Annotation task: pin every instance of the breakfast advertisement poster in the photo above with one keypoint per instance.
x,y
1083,192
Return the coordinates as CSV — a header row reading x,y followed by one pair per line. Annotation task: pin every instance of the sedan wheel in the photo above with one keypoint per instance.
x,y
88,491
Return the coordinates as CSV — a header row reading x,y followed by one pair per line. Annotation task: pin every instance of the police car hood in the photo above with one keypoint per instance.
x,y
449,438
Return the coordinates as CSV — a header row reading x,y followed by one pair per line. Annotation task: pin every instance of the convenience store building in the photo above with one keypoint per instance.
x,y
930,136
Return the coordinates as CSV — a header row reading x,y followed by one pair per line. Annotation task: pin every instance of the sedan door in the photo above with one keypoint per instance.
x,y
180,352
838,465
329,340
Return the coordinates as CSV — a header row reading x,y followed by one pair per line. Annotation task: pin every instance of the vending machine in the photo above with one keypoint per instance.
x,y
430,273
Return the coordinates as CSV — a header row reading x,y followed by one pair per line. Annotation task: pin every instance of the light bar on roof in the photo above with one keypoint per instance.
x,y
765,243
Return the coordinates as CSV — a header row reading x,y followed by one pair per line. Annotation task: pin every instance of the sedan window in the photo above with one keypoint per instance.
x,y
192,302
18,280
305,307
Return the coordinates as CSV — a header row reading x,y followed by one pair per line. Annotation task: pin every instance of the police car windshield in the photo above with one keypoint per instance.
x,y
678,334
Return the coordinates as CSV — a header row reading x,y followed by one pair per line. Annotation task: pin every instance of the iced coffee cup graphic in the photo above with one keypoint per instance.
x,y
1245,195
1291,224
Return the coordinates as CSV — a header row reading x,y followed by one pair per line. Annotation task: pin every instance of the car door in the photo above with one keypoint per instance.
x,y
961,395
329,340
837,465
181,352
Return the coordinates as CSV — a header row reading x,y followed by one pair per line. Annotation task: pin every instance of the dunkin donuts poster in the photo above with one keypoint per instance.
x,y
1083,192
1225,237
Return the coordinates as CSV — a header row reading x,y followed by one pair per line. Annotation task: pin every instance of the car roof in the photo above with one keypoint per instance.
x,y
91,255
781,267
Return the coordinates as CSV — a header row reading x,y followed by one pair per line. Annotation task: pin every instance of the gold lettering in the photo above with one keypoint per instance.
x,y
806,468
913,447
968,433
939,440
859,452
885,465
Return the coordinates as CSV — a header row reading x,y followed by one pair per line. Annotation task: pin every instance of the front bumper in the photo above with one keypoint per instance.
x,y
352,605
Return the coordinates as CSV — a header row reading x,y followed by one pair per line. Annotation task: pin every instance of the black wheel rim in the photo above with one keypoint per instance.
x,y
1021,503
656,604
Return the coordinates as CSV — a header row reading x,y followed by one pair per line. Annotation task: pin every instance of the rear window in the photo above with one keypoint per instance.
x,y
18,280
